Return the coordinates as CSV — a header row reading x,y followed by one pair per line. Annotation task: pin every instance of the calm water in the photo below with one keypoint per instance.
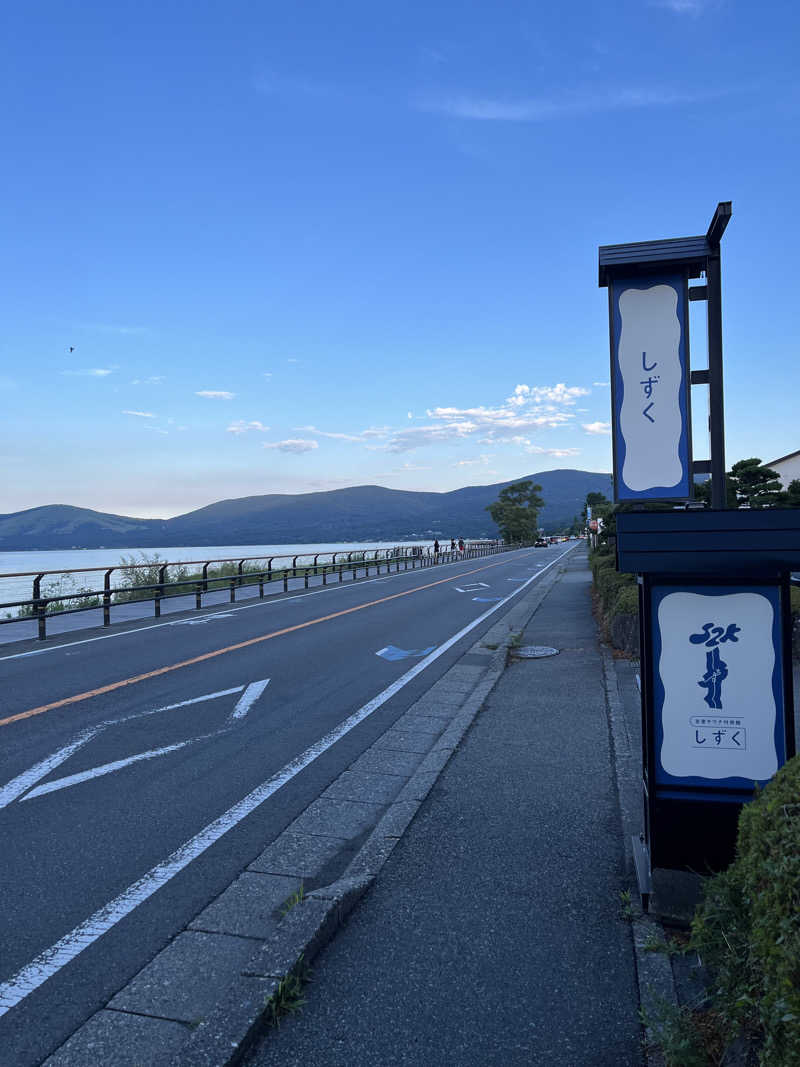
x,y
63,560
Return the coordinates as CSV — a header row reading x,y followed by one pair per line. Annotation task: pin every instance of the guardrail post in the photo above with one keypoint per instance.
x,y
241,568
260,585
305,578
341,572
269,569
205,577
324,574
159,591
40,606
107,597
294,567
233,590
286,581
315,565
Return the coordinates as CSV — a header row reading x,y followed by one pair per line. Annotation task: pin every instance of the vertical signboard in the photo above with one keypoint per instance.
x,y
718,686
650,387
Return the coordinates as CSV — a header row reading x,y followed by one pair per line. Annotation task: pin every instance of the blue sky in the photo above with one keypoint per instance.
x,y
302,246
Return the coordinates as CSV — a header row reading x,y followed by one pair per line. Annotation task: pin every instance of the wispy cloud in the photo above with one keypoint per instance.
x,y
156,429
296,445
154,379
90,372
372,433
600,385
140,414
685,7
597,427
110,327
481,461
215,394
240,426
565,105
536,450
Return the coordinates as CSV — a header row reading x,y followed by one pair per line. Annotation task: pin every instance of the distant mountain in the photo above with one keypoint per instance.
x,y
360,513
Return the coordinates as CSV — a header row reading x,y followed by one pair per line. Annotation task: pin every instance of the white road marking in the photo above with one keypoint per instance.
x,y
105,768
24,781
248,698
472,587
39,770
50,962
269,602
204,619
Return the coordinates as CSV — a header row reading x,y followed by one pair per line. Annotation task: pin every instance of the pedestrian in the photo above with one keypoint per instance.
x,y
436,550
461,544
452,544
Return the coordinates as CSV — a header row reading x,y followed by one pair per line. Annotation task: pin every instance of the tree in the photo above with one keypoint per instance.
x,y
790,498
516,511
747,482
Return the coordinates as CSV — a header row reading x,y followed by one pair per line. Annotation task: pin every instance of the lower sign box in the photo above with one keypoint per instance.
x,y
718,684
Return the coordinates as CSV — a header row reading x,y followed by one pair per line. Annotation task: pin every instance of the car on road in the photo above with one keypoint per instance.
x,y
541,543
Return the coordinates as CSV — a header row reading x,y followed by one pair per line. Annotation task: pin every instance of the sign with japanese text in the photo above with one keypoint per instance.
x,y
717,684
650,388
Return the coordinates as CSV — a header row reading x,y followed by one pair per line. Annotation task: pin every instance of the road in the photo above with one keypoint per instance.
x,y
142,770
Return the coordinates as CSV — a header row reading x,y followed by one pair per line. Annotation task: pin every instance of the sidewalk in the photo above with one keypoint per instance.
x,y
493,934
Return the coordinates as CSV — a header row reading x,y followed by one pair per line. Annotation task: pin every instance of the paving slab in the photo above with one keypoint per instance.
x,y
303,855
402,764
249,907
345,818
184,980
369,788
121,1039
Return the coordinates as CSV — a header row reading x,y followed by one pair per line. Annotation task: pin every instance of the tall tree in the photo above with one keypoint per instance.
x,y
747,482
516,511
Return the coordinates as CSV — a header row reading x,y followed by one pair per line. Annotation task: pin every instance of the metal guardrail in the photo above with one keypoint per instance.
x,y
336,564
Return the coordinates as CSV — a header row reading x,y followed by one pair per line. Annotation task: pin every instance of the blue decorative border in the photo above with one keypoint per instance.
x,y
773,595
682,490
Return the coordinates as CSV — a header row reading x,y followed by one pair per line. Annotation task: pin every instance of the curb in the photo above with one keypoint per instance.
x,y
654,976
239,1020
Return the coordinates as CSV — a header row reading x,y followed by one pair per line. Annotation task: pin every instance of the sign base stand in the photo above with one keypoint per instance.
x,y
641,861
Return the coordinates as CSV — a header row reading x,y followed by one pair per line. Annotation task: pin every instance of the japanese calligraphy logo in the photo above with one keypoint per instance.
x,y
716,668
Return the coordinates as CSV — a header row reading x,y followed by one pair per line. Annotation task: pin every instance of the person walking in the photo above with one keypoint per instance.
x,y
436,550
461,544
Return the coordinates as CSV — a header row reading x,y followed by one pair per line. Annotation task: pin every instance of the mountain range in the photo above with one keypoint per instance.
x,y
358,513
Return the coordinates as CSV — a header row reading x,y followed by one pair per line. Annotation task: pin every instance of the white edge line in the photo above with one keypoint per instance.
x,y
49,962
267,602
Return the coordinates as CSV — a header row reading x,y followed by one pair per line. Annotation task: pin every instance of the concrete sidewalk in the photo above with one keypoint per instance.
x,y
494,934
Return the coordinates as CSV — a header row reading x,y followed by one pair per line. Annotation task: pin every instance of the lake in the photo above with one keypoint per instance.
x,y
12,589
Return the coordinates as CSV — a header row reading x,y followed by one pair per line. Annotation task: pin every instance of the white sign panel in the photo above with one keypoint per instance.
x,y
650,390
715,662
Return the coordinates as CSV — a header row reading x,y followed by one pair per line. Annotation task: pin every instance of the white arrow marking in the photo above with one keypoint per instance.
x,y
471,587
28,778
105,768
24,781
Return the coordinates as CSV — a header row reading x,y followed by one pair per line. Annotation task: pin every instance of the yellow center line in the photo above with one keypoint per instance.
x,y
78,697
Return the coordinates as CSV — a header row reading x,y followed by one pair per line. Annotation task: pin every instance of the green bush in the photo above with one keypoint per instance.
x,y
626,601
747,929
795,601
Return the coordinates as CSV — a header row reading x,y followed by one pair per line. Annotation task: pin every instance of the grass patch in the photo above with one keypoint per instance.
x,y
627,912
293,900
288,998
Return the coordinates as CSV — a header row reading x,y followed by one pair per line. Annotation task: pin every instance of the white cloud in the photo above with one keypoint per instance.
x,y
215,394
566,105
140,414
295,445
411,414
482,460
156,429
601,385
267,374
370,434
240,426
597,427
535,450
155,379
92,372
412,467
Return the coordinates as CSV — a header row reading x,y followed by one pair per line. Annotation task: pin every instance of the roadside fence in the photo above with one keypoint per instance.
x,y
159,581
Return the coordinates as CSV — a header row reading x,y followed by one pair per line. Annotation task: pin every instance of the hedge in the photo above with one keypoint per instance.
x,y
747,929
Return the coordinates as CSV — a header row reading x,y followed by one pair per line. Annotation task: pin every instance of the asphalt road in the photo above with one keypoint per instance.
x,y
142,770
